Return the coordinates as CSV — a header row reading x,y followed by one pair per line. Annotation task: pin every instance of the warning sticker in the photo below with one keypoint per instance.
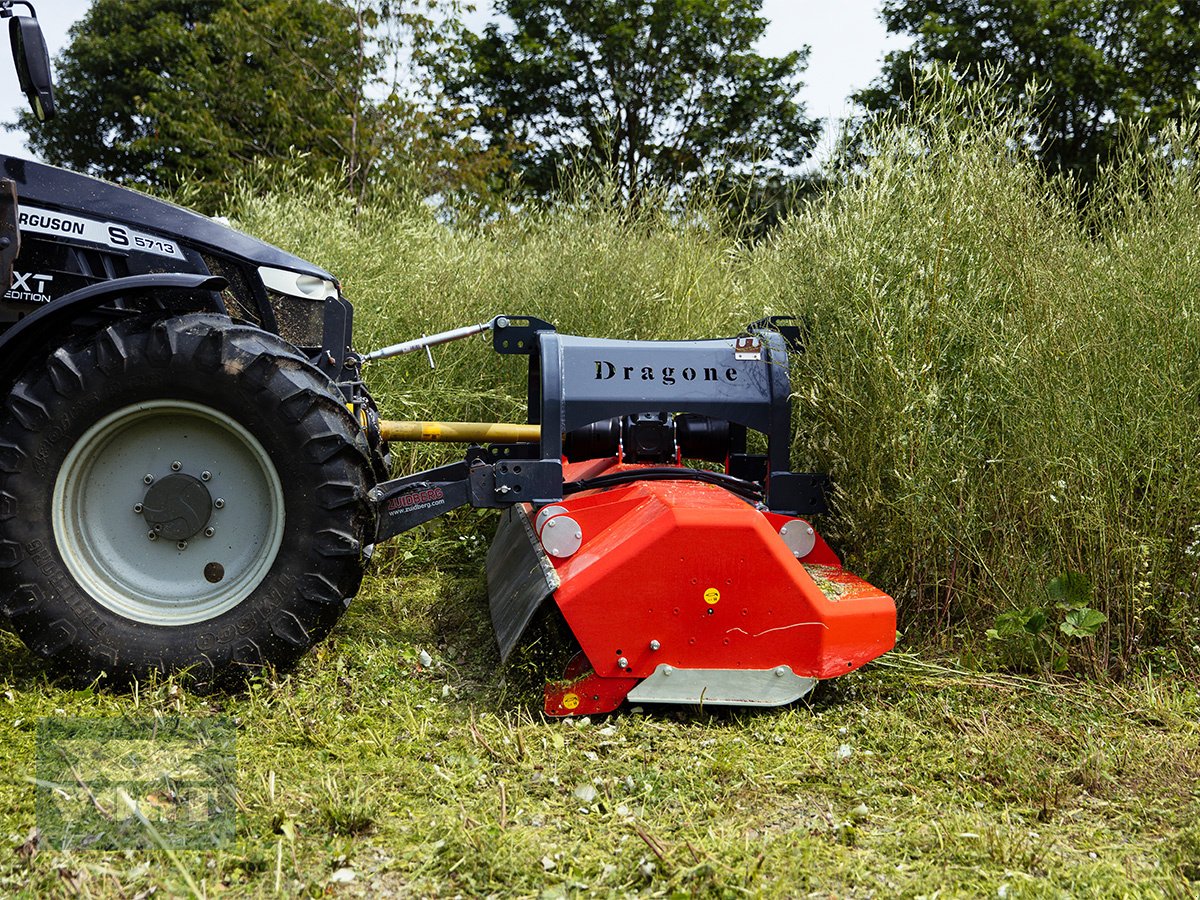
x,y
711,596
109,234
570,701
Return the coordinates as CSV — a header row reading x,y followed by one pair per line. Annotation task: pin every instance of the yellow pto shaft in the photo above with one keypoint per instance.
x,y
460,432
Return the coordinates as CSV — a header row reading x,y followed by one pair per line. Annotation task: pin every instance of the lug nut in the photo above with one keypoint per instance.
x,y
176,466
182,545
149,479
209,531
219,503
137,508
152,536
205,476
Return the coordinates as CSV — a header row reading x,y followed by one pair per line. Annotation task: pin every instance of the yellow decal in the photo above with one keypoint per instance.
x,y
570,701
430,431
711,596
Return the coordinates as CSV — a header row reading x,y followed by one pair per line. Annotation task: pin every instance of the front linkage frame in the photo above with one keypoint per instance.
x,y
647,401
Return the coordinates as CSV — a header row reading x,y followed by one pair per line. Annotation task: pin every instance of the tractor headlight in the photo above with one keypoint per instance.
x,y
293,284
298,302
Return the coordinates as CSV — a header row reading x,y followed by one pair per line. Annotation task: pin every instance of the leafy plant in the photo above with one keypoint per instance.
x,y
1028,637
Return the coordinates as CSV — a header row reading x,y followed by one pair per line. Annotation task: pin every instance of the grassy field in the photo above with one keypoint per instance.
x,y
368,770
1002,377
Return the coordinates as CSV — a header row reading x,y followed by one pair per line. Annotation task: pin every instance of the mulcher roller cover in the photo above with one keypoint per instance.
x,y
178,493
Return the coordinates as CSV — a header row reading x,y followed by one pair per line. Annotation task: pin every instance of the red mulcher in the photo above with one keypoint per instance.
x,y
682,563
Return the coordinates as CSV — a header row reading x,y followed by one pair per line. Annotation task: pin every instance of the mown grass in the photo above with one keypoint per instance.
x,y
1001,376
909,778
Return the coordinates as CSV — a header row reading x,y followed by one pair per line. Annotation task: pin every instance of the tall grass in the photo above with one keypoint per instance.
x,y
1001,375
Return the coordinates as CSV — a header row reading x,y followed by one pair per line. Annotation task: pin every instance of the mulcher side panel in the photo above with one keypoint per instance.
x,y
519,578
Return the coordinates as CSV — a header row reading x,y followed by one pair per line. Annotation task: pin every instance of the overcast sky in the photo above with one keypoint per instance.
x,y
847,41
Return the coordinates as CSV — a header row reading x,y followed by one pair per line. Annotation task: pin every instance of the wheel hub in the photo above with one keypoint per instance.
x,y
177,507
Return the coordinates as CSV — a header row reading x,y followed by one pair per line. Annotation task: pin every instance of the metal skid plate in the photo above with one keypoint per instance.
x,y
722,687
519,578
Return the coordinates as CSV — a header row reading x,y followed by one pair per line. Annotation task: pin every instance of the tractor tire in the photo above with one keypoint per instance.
x,y
179,494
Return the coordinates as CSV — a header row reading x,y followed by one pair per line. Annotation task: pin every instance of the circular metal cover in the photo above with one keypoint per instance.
x,y
545,513
179,505
561,536
799,537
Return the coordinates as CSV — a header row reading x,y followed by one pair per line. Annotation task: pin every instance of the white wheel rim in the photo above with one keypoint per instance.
x,y
104,540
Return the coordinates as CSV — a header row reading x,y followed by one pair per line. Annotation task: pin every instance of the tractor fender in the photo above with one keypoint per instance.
x,y
35,330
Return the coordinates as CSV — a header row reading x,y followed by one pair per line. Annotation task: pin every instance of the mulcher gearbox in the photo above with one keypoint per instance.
x,y
193,471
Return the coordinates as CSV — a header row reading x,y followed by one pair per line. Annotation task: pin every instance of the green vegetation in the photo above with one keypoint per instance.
x,y
1006,395
657,94
1004,391
443,780
434,775
157,93
1082,70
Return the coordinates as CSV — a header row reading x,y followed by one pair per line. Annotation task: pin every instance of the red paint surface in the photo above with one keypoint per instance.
x,y
652,549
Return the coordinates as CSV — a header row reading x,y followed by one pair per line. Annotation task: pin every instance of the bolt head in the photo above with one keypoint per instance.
x,y
219,503
206,476
137,508
149,479
182,545
176,466
654,645
780,671
783,530
622,662
551,524
667,670
209,531
152,536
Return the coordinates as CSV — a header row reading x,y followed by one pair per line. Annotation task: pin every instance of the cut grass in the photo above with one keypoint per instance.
x,y
439,780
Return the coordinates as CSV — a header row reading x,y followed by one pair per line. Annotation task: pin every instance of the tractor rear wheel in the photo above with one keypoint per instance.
x,y
178,494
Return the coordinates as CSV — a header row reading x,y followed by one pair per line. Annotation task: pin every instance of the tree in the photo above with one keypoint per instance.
x,y
1095,64
156,92
149,90
653,92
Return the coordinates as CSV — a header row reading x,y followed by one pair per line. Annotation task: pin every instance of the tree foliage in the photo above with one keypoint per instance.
x,y
654,92
159,91
1092,65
